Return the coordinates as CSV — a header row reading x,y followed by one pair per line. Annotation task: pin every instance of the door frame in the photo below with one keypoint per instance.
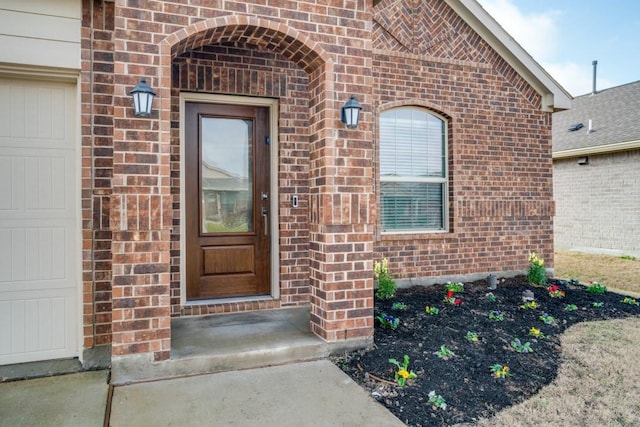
x,y
272,104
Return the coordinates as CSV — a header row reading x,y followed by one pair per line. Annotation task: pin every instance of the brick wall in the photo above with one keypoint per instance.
x,y
597,204
311,56
174,47
499,142
97,169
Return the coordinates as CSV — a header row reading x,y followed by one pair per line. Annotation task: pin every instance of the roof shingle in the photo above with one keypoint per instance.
x,y
615,115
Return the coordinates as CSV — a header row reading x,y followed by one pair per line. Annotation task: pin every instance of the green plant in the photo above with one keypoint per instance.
x,y
597,304
500,371
529,305
452,301
444,352
630,301
518,346
437,400
454,287
386,285
555,292
489,296
536,275
574,282
546,318
388,321
628,257
536,333
471,336
496,315
399,306
596,288
432,311
403,373
570,307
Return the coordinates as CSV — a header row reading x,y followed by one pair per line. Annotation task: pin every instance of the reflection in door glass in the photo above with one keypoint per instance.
x,y
226,175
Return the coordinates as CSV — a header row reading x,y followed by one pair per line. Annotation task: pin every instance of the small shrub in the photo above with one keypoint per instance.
x,y
536,275
386,285
596,288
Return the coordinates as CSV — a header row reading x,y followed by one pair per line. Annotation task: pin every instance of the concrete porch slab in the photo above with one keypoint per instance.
x,y
218,343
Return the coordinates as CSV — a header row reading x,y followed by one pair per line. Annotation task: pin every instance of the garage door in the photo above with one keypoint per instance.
x,y
38,221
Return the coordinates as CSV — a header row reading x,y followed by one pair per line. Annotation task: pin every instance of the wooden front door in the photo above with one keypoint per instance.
x,y
227,201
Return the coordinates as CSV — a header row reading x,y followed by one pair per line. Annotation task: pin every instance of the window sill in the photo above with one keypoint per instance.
x,y
421,235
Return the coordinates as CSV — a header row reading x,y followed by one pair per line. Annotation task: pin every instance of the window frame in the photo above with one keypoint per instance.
x,y
444,180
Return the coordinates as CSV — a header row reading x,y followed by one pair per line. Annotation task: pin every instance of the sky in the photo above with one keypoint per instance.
x,y
566,36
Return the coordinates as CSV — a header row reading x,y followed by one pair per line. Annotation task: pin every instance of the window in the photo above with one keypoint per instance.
x,y
413,170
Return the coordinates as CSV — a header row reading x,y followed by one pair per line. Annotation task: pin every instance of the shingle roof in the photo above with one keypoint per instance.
x,y
615,116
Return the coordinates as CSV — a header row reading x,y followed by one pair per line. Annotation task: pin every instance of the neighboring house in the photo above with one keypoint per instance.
x,y
596,167
110,223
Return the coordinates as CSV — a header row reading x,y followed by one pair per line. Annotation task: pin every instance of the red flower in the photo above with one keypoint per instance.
x,y
457,301
449,294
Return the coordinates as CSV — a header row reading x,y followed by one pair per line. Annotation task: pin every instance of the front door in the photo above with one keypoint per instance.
x,y
227,201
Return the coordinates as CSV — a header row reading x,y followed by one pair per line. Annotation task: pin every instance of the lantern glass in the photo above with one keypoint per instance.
x,y
350,112
142,98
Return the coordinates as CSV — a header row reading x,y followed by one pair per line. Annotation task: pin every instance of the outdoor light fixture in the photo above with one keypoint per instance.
x,y
142,98
350,112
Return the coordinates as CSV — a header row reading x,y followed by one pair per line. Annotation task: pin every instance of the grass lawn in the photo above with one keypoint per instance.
x,y
620,273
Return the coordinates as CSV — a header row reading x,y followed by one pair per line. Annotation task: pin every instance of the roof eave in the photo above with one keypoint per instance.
x,y
597,149
554,96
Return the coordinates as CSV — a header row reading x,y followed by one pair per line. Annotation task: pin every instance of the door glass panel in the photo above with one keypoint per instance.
x,y
226,196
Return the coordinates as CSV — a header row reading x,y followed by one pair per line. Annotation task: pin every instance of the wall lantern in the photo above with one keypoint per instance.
x,y
142,98
350,112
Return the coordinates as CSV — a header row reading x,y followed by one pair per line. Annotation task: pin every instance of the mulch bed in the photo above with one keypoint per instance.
x,y
465,380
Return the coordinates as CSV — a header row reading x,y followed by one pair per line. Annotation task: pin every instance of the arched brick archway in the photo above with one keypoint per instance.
x,y
310,56
340,207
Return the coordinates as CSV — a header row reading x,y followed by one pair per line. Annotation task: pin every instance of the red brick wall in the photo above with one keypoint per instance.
x,y
499,142
97,168
311,56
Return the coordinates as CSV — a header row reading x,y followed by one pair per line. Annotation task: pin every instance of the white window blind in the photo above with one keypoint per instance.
x,y
413,170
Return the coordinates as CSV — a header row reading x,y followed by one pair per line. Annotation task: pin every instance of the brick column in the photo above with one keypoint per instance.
x,y
342,229
141,215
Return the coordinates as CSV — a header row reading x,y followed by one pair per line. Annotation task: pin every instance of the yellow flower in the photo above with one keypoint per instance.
x,y
403,373
535,331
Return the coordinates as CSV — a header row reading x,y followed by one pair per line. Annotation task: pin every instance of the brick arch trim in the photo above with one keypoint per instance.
x,y
265,34
438,109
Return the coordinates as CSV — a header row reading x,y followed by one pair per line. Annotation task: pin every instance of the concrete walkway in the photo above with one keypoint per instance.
x,y
315,393
65,400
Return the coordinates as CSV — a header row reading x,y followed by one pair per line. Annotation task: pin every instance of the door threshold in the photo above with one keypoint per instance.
x,y
230,300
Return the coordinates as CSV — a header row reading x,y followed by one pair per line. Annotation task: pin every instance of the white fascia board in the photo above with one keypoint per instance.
x,y
554,96
597,149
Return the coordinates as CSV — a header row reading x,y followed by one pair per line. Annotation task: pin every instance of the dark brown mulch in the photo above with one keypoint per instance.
x,y
465,380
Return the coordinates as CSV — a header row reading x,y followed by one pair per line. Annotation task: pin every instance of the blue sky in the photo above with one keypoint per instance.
x,y
565,36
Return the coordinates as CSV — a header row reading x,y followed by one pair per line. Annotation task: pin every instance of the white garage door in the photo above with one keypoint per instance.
x,y
38,259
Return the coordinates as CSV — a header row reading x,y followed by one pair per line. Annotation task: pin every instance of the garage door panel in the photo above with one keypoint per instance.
x,y
35,325
36,182
36,114
30,254
39,197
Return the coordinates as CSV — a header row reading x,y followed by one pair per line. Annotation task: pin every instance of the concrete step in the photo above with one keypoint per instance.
x,y
208,344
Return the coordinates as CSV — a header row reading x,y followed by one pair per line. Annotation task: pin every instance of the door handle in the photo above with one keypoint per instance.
x,y
265,219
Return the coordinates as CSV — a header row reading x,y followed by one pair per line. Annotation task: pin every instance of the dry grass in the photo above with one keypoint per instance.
x,y
597,385
613,272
